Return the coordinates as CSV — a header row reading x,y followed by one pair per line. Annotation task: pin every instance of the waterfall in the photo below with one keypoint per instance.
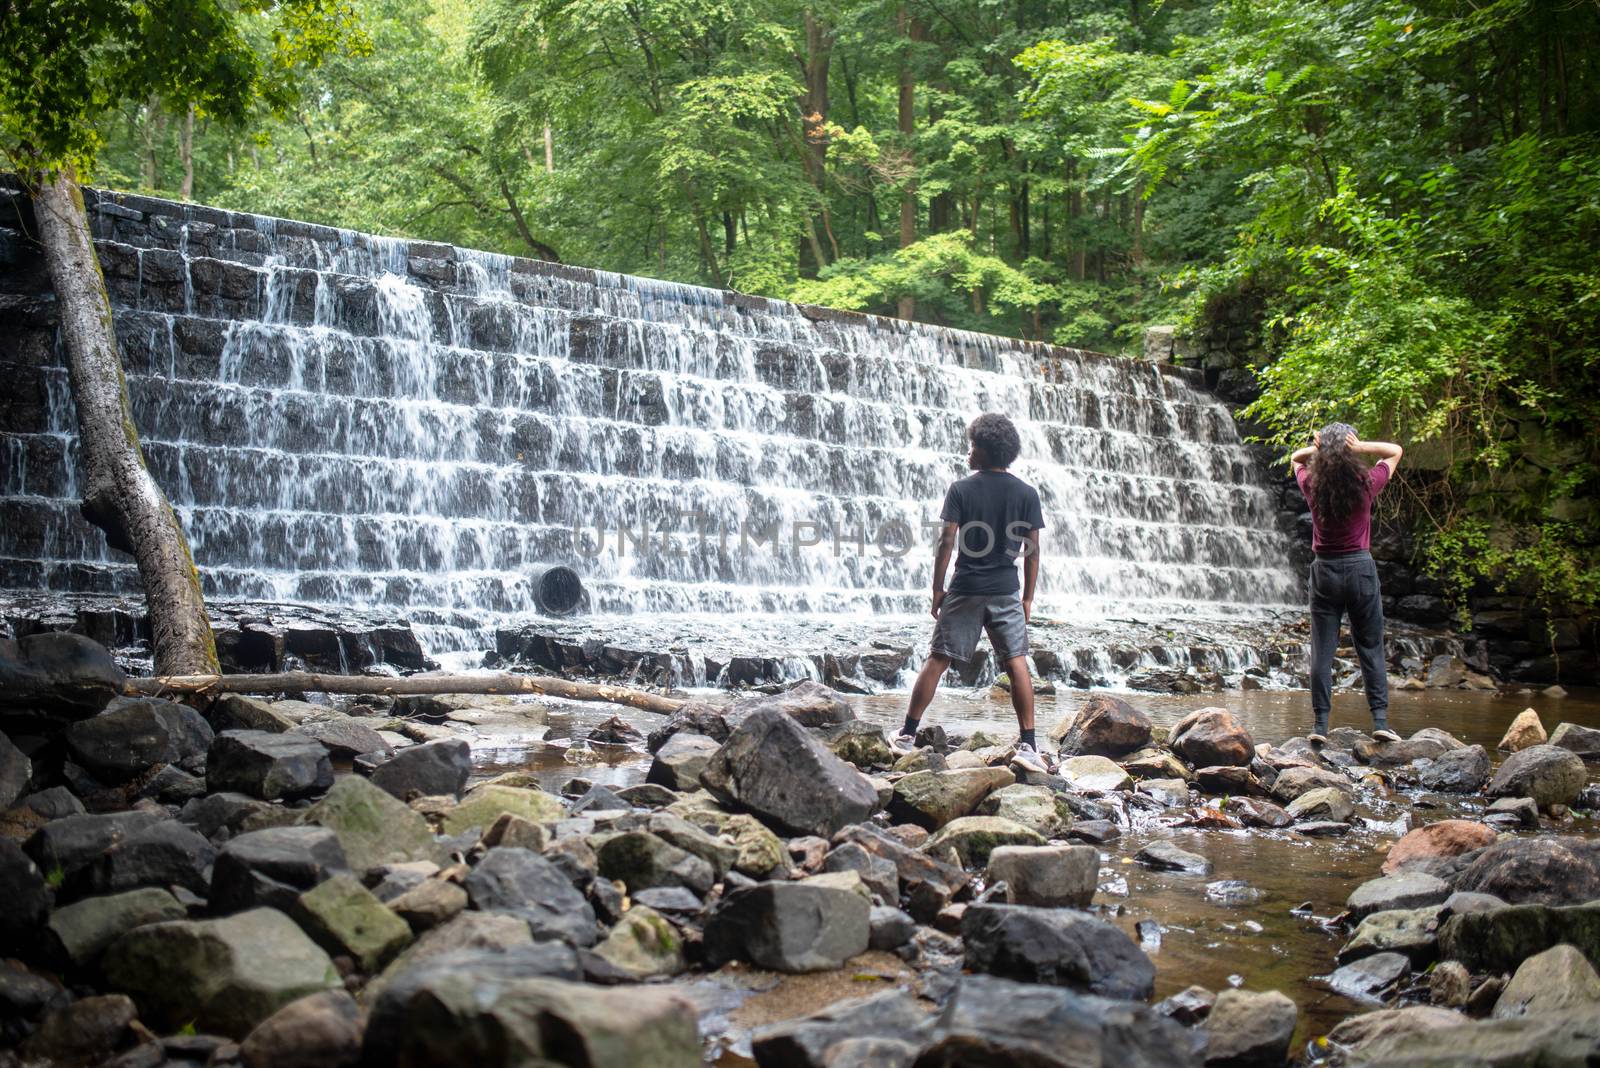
x,y
360,421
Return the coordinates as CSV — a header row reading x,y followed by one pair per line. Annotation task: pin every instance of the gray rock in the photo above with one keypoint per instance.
x,y
1322,829
319,1031
808,703
344,736
889,928
1162,855
771,766
1355,1032
27,897
56,803
1543,871
1055,946
720,854
1520,811
174,786
58,675
1524,1042
434,769
643,945
85,928
163,854
372,826
273,867
1249,1030
696,717
932,799
1047,876
88,1031
650,795
818,1039
1292,782
878,873
1172,793
271,767
679,762
642,860
1463,901
527,885
61,847
1403,890
1413,932
1499,940
928,883
1547,773
16,770
1369,978
1584,741
429,904
1188,1006
1325,803
479,936
236,712
223,976
345,919
133,735
812,925
1459,771
1558,980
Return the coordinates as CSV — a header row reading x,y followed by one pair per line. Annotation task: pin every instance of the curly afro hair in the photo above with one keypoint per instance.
x,y
995,436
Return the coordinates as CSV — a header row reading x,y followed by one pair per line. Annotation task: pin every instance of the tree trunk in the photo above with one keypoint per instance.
x,y
1075,241
120,495
186,153
154,126
549,150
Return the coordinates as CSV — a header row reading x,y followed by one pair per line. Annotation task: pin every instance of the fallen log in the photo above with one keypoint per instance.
x,y
310,682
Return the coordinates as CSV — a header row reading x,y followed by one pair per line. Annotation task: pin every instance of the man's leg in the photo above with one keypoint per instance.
x,y
1021,693
923,689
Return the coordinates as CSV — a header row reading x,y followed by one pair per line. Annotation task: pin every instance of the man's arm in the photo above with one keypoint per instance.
x,y
1030,572
941,563
1387,452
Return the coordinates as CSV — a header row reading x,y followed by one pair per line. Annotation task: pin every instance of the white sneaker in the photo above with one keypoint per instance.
x,y
1031,758
1386,736
903,743
1317,740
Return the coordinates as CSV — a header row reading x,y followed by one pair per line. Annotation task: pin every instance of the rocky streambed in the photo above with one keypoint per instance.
x,y
764,879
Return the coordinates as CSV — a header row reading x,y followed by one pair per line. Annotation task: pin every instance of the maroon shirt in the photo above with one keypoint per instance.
x,y
1354,532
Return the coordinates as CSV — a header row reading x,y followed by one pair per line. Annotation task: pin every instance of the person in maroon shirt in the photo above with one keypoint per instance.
x,y
1340,489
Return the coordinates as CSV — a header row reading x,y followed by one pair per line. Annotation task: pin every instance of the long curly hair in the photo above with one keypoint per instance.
x,y
1338,477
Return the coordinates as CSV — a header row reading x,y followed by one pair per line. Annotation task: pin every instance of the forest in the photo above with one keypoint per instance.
x,y
1388,211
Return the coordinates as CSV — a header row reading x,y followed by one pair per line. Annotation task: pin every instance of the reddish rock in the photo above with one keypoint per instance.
x,y
1447,838
1211,737
1525,731
1105,726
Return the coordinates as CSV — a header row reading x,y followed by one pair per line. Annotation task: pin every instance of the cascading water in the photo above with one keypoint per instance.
x,y
353,420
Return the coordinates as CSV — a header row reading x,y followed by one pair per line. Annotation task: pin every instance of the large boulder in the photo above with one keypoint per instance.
x,y
1584,741
1547,773
372,826
680,760
272,867
1061,947
223,976
1500,939
271,767
346,919
83,929
1459,771
1211,736
1047,876
1104,726
1246,1029
1541,871
1446,838
812,925
134,735
63,846
1037,808
932,799
809,703
439,768
57,675
527,885
772,766
1560,979
163,854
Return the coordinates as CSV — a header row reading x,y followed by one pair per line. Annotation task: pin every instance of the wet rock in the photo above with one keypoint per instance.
x,y
1233,892
973,838
615,731
1209,737
773,767
1094,775
1104,726
320,1031
932,799
991,1021
271,767
224,976
85,928
1525,1042
1429,744
1326,803
643,945
1557,980
132,735
53,804
345,919
1254,812
487,803
815,924
696,717
1171,793
1513,811
1047,876
1370,978
372,827
27,898
1584,741
1246,1029
889,928
1230,780
1155,764
1498,940
648,795
809,703
1459,771
166,853
1545,871
825,1038
1525,732
719,853
642,860
1055,946
345,736
1099,832
1188,1006
479,1010
429,904
1162,855
1446,838
1292,782
528,885
57,675
273,867
1548,774
434,769
85,1032
928,883
679,762
1406,890
1413,932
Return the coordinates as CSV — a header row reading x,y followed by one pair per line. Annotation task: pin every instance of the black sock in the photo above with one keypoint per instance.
x,y
1027,737
910,726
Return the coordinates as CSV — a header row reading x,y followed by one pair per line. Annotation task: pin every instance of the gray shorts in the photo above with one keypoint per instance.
x,y
963,616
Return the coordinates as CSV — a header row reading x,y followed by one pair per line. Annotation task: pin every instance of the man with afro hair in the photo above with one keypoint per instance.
x,y
993,518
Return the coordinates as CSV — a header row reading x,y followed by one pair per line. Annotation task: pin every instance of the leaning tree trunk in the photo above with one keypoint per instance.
x,y
120,495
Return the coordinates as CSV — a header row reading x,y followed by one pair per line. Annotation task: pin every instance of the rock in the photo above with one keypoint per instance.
x,y
1558,980
1407,890
320,1031
133,735
859,743
1420,746
345,736
88,1031
812,925
1525,1042
932,799
1211,736
1459,771
373,827
642,860
1055,946
1545,871
1171,793
808,703
529,886
485,804
1231,780
271,767
16,770
878,873
85,928
1548,774
771,766
1446,672
1292,782
826,1037
1098,832
1188,1006
1246,1029
889,928
1446,838
1254,812
1449,984
478,1010
434,769
1356,1032
929,883
1521,811
57,675
344,918
1499,940
429,904
992,1021
1047,876
1369,978
1234,892
1469,901
759,853
973,838
1094,775
62,847
163,854
1584,741
1162,855
1104,726
1413,932
719,853
1525,732
695,717
1326,803
614,730
679,762
224,975
643,945
236,712
173,785
273,867
480,935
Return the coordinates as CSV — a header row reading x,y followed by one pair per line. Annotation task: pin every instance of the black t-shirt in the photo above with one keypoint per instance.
x,y
995,510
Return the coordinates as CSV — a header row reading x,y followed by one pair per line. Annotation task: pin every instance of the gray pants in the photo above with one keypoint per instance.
x,y
964,616
1347,585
